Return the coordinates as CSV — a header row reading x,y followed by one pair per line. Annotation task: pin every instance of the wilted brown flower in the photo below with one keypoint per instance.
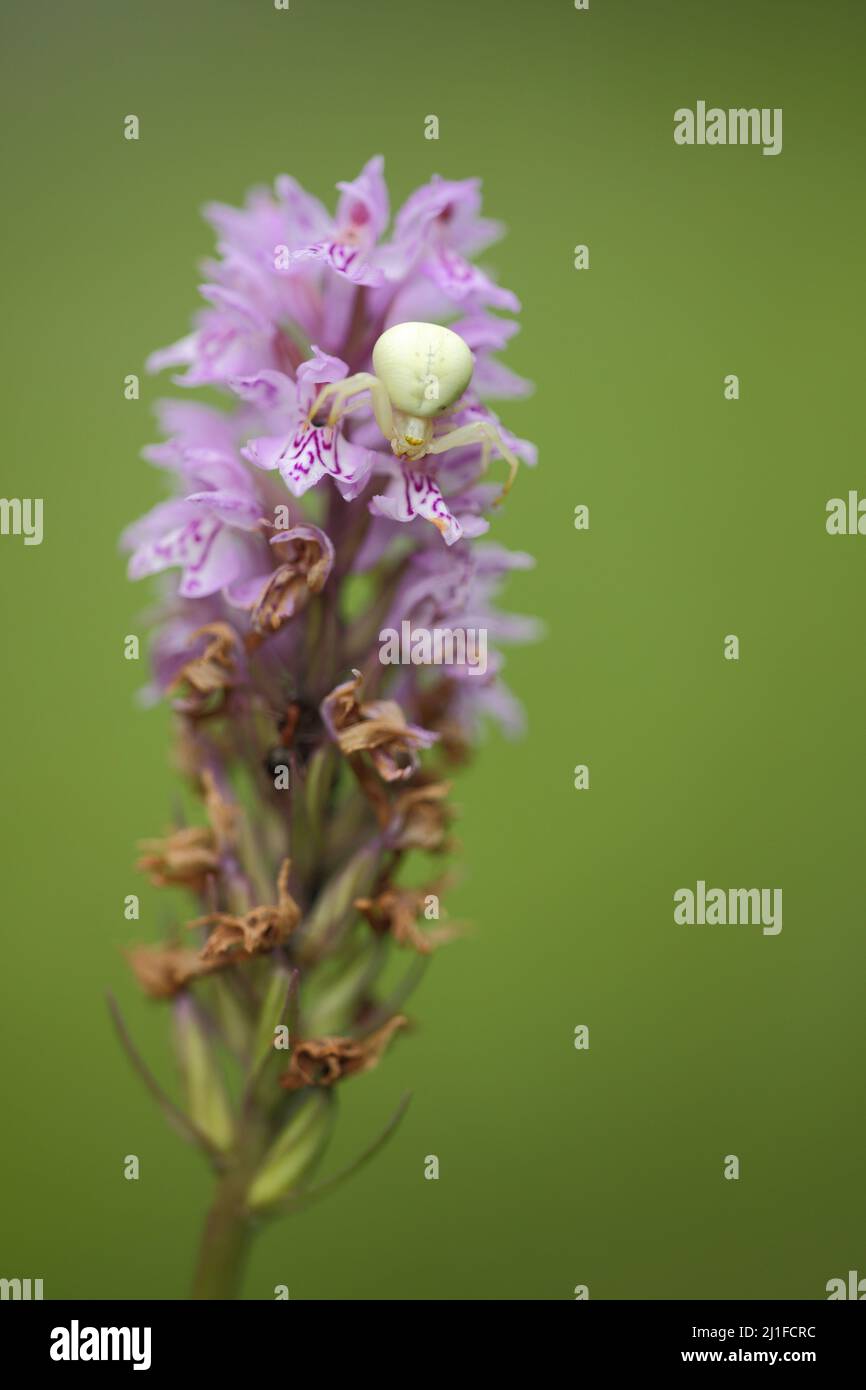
x,y
259,930
396,910
323,1061
308,557
378,727
222,814
187,856
434,711
163,971
421,817
190,855
211,675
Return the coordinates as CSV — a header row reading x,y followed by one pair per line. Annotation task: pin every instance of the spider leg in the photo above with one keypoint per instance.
x,y
485,456
487,435
334,389
338,392
352,409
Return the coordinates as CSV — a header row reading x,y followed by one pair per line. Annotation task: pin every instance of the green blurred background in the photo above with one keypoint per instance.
x,y
558,1167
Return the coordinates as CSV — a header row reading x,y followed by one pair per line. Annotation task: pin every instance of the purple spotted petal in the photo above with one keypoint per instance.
x,y
187,545
344,258
231,507
164,517
417,494
363,207
463,282
209,468
227,558
306,456
266,390
446,211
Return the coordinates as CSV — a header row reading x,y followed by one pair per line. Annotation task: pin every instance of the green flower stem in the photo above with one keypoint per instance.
x,y
225,1242
228,1229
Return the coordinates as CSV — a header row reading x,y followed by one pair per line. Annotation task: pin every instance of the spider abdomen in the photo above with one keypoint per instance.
x,y
424,367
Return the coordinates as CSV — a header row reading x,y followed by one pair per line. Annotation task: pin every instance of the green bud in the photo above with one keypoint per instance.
x,y
320,774
206,1099
346,981
333,906
228,1011
272,1013
294,1154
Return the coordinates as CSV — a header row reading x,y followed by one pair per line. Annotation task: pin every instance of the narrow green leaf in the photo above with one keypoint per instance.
x,y
234,1023
322,1189
346,982
272,1014
294,1153
206,1097
320,773
181,1122
334,904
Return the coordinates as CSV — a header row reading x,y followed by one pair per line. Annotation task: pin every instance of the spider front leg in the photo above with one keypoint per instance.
x,y
487,435
338,392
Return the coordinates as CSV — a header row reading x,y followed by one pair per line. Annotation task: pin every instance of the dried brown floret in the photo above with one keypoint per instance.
x,y
259,930
303,573
421,817
222,814
208,677
163,971
395,911
324,1061
377,727
434,707
186,857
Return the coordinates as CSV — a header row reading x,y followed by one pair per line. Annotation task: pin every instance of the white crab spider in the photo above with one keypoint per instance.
x,y
422,370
